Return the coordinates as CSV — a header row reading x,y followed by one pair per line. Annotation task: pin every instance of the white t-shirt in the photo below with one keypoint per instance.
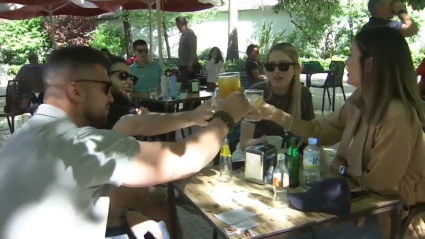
x,y
213,70
55,178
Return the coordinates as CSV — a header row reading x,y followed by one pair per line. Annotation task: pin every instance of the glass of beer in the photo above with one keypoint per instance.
x,y
227,83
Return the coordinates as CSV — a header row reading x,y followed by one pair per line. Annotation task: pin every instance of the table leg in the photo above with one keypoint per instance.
x,y
168,136
396,222
333,99
174,231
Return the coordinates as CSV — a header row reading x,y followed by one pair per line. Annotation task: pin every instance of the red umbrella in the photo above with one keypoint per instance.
x,y
17,11
113,5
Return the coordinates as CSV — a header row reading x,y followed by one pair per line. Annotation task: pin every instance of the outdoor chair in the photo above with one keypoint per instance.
x,y
413,212
244,80
333,80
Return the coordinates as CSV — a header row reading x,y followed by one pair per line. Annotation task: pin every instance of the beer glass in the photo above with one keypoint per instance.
x,y
227,83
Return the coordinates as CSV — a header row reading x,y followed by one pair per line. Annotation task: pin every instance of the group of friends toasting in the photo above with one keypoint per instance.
x,y
60,168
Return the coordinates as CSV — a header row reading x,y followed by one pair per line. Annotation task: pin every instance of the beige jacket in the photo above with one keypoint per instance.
x,y
388,158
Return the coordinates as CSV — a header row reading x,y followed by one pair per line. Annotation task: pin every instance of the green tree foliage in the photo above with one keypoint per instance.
x,y
18,38
109,36
266,38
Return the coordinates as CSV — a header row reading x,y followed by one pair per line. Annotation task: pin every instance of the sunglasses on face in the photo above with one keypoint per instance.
x,y
106,88
140,51
123,75
284,66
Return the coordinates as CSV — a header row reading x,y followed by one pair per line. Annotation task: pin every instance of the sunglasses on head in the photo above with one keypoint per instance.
x,y
123,75
142,51
106,88
283,66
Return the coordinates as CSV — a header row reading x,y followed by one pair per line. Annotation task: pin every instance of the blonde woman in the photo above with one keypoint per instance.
x,y
379,128
283,90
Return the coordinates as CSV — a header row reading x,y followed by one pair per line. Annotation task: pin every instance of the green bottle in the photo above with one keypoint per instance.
x,y
293,163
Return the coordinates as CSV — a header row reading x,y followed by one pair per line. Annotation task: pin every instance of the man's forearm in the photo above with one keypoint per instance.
x,y
153,123
408,21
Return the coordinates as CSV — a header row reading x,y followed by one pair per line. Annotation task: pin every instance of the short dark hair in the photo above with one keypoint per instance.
x,y
373,5
74,57
250,48
139,42
181,20
114,60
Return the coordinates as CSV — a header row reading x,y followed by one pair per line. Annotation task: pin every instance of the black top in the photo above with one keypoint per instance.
x,y
379,22
282,102
253,65
116,112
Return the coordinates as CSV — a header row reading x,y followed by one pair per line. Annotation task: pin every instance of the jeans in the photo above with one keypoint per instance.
x,y
345,230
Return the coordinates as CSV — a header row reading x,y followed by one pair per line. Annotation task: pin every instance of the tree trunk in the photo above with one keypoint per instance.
x,y
127,34
167,44
232,47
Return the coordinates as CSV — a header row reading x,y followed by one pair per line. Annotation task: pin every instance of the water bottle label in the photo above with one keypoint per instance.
x,y
225,151
311,162
280,182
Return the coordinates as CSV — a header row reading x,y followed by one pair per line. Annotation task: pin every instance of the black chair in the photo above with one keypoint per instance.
x,y
13,103
413,212
244,80
333,80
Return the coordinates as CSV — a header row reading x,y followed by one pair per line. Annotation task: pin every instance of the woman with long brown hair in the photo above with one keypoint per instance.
x,y
380,126
282,90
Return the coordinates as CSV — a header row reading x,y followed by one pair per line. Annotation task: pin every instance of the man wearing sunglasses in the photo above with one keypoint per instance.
x,y
148,72
57,170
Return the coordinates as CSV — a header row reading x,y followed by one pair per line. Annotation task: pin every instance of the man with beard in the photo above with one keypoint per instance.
x,y
58,169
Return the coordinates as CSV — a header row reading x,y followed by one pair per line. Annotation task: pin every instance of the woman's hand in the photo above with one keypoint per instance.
x,y
266,111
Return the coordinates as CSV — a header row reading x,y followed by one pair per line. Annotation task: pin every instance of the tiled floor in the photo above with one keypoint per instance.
x,y
194,226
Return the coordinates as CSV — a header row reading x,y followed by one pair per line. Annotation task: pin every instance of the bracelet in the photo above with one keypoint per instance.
x,y
226,118
123,216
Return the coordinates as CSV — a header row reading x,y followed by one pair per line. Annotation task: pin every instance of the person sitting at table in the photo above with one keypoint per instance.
x,y
214,67
284,91
253,67
148,72
149,200
379,128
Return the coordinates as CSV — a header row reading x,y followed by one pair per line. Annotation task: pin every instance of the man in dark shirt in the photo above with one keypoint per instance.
x,y
254,70
382,11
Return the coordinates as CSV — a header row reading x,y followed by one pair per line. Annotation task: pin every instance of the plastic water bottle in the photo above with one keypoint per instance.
x,y
311,163
173,85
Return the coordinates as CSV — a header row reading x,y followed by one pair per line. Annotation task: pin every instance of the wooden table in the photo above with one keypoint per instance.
x,y
212,197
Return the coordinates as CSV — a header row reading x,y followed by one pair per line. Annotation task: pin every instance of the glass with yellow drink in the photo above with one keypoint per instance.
x,y
255,98
227,83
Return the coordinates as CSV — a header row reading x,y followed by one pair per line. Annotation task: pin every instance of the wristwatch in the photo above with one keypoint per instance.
x,y
226,118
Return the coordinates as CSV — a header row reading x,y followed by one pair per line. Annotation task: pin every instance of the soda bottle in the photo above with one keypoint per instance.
x,y
293,163
225,162
311,163
280,183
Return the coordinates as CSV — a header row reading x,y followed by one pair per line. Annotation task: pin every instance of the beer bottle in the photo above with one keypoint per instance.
x,y
293,163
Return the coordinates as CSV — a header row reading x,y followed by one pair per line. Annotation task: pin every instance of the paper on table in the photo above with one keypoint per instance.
x,y
235,216
246,224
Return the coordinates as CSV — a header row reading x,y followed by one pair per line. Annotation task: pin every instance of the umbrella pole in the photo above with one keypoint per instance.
x,y
150,30
52,25
158,19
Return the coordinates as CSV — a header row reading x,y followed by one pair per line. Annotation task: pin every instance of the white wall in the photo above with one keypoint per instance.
x,y
214,31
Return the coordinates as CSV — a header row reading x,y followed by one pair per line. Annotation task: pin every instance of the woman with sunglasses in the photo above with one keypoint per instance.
x,y
379,128
284,91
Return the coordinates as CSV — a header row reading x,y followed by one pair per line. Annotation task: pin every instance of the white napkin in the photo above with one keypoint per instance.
x,y
238,155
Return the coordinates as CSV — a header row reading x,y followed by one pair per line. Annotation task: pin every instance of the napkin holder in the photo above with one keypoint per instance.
x,y
260,161
194,86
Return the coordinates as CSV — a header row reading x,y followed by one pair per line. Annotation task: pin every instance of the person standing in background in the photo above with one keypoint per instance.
x,y
214,66
253,68
148,72
382,11
188,59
